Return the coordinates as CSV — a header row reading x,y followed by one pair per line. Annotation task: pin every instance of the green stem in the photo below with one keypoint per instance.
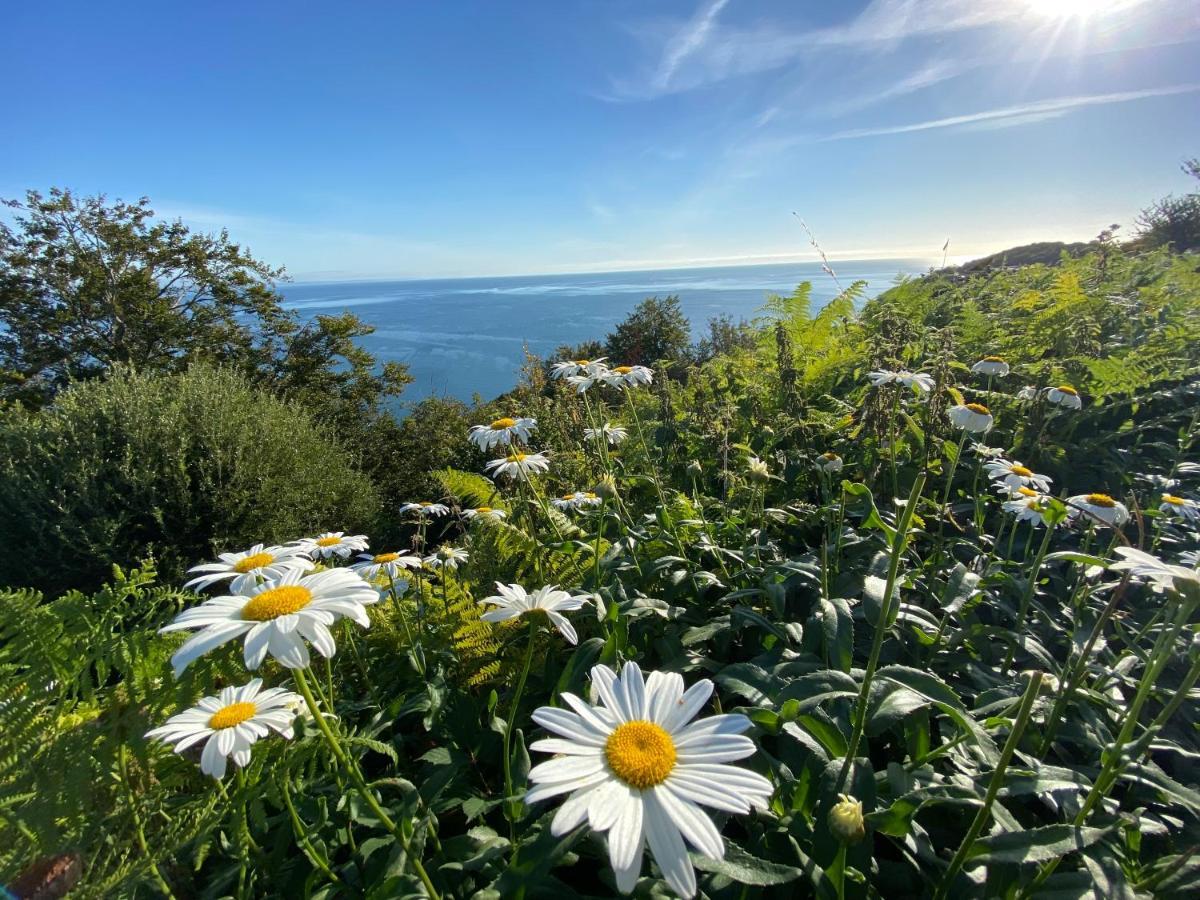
x,y
1027,597
138,829
301,833
510,809
981,817
360,782
899,544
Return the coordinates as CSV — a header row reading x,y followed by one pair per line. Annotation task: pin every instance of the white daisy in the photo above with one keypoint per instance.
x,y
758,469
276,616
635,768
519,465
830,462
230,723
483,512
973,417
447,557
1013,475
569,367
513,601
920,381
614,434
425,509
246,568
1140,564
1180,506
1029,392
627,376
333,543
1027,505
1064,395
1099,508
577,500
501,432
393,565
583,381
991,366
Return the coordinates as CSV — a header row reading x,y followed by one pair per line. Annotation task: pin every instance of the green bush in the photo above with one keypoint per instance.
x,y
178,466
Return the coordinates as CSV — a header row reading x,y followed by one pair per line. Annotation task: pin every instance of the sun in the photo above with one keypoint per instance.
x,y
1077,9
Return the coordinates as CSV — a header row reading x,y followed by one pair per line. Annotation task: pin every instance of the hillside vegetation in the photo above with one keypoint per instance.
x,y
893,598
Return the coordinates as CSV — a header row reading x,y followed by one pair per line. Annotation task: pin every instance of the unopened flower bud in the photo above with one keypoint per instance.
x,y
694,468
846,820
606,487
758,469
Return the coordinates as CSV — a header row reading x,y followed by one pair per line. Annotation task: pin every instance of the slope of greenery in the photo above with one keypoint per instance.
x,y
946,689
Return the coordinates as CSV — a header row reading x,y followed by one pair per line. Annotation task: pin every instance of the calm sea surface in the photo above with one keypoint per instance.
x,y
465,336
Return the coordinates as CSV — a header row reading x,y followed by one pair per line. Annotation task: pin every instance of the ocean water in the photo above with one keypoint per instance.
x,y
466,336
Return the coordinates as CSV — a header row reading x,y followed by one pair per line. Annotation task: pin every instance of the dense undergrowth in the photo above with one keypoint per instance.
x,y
943,628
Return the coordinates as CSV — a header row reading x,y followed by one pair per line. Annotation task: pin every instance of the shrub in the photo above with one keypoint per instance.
x,y
178,466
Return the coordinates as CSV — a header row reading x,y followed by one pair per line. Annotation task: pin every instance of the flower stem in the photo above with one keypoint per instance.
x,y
981,817
510,808
360,782
1027,597
899,544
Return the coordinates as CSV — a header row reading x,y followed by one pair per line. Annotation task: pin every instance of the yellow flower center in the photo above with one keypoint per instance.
x,y
567,497
500,424
233,714
1101,500
515,457
830,456
641,754
1027,492
1021,470
979,408
1067,389
328,541
275,602
385,558
1033,504
1173,500
249,563
582,362
588,495
483,510
993,359
623,370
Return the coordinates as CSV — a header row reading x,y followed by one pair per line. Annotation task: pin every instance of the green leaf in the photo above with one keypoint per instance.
x,y
1035,845
929,685
744,868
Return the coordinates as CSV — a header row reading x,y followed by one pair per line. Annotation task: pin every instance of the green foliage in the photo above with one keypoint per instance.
x,y
655,330
178,466
1173,221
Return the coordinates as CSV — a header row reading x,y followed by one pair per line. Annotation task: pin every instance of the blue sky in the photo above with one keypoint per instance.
x,y
441,139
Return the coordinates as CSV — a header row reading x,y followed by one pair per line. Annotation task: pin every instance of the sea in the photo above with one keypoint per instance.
x,y
466,337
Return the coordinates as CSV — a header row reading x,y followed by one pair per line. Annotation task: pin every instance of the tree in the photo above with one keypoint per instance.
x,y
655,330
724,337
1173,221
86,284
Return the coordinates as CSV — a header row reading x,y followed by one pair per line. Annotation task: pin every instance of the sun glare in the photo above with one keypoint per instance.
x,y
1077,9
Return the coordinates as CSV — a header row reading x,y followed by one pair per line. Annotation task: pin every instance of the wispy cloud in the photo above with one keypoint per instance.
x,y
686,42
1015,115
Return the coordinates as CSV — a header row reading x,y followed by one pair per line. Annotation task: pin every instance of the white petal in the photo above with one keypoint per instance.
x,y
693,822
666,843
565,628
257,641
289,650
568,748
570,725
689,704
634,690
625,842
572,812
664,690
544,791
566,768
606,804
208,639
212,761
596,718
609,690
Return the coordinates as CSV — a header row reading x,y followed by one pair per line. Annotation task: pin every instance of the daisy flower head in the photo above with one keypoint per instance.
x,y
1013,475
1027,505
483,512
501,432
830,463
247,567
1029,392
447,557
513,601
612,434
758,470
628,376
1099,508
519,465
229,724
276,617
333,543
577,500
1183,507
393,565
1161,575
1064,395
637,768
985,451
918,381
425,510
992,366
568,367
972,417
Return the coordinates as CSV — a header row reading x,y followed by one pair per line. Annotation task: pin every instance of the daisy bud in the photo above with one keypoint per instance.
x,y
758,470
606,487
694,468
846,820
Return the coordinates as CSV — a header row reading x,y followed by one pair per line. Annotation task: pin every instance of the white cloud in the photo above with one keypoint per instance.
x,y
1015,115
687,42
